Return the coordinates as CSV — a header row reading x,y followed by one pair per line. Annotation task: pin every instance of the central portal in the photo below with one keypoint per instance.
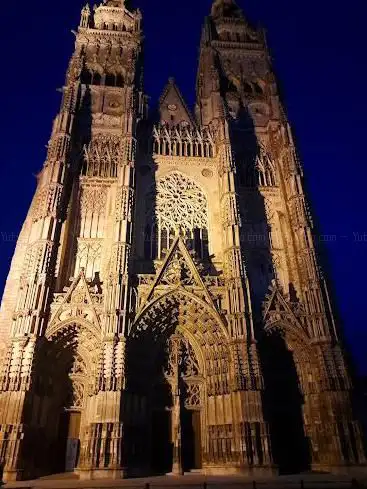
x,y
176,414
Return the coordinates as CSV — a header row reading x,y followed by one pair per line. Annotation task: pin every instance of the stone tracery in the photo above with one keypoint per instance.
x,y
184,200
176,206
259,170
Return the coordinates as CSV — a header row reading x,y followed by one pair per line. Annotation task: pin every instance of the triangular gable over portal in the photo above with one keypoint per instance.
x,y
179,270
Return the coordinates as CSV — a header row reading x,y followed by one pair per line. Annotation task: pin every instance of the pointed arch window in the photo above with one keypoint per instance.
x,y
265,170
119,81
110,80
97,79
86,77
101,158
258,170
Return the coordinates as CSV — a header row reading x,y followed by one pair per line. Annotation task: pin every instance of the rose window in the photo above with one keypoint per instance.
x,y
176,206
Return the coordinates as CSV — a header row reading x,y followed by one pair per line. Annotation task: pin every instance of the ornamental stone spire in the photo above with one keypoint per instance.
x,y
225,8
114,3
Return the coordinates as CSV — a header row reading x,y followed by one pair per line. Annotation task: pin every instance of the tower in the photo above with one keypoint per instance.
x,y
67,295
165,310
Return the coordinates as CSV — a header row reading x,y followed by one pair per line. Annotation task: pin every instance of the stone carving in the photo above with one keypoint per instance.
x,y
207,173
269,210
102,157
88,256
79,366
48,201
79,301
183,140
100,119
178,272
179,351
266,169
178,203
77,398
75,68
193,394
93,200
124,203
37,259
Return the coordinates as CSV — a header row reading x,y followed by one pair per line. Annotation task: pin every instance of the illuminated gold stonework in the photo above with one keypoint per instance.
x,y
165,310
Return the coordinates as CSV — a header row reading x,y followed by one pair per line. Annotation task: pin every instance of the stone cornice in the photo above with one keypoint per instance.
x,y
247,48
184,160
128,38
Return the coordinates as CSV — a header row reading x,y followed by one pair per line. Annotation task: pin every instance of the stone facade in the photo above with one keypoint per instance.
x,y
165,310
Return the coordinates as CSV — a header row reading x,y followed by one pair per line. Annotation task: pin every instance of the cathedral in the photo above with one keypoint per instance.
x,y
165,310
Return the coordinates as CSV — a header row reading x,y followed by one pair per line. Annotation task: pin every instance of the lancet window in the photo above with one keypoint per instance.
x,y
176,206
114,80
90,77
253,89
260,172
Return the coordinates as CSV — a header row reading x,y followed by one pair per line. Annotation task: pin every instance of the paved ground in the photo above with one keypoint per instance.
x,y
189,481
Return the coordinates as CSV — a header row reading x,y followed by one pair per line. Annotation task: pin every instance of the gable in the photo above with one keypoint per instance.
x,y
178,271
172,107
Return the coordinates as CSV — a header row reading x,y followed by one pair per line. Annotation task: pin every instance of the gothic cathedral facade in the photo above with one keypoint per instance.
x,y
165,310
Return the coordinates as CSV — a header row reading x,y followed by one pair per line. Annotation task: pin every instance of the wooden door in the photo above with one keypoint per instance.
x,y
196,425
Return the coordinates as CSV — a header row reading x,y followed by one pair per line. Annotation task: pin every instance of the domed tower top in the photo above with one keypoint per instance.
x,y
114,3
226,8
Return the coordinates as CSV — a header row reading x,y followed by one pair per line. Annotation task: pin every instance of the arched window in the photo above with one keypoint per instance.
x,y
265,170
247,88
101,158
156,146
97,79
110,80
176,206
257,170
86,77
119,81
258,89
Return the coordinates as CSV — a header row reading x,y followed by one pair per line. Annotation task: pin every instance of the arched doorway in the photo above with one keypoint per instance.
x,y
284,402
70,417
170,378
177,359
70,356
178,403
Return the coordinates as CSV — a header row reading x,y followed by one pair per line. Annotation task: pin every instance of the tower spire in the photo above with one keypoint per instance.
x,y
114,3
225,8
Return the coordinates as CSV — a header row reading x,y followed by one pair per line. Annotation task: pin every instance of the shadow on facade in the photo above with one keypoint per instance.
x,y
47,411
282,399
283,406
46,415
148,436
156,365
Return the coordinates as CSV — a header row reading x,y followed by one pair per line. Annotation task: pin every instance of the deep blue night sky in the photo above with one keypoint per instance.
x,y
319,54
